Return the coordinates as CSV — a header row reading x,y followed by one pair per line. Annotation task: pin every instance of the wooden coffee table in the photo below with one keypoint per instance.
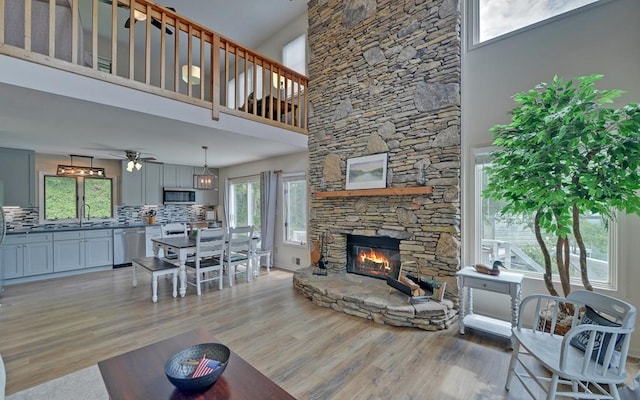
x,y
139,374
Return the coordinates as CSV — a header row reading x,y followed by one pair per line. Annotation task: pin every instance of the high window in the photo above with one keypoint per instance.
x,y
493,18
295,208
512,240
294,54
67,198
244,201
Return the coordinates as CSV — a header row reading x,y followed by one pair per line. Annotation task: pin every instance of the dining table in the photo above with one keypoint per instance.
x,y
183,246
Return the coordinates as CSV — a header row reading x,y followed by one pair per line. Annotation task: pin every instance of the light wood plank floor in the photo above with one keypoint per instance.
x,y
51,328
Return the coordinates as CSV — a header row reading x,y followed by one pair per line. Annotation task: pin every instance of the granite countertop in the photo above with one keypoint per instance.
x,y
74,227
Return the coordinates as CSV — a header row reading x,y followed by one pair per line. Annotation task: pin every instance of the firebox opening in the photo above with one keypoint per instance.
x,y
378,257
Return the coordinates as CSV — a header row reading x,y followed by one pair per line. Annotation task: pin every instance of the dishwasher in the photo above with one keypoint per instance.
x,y
128,243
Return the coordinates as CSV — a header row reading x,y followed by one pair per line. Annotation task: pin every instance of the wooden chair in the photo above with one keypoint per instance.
x,y
173,229
588,361
210,246
238,252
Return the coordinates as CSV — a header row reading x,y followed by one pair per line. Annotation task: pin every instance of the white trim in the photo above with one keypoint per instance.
x,y
473,19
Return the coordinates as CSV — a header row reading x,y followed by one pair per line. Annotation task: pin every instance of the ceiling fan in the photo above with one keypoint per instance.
x,y
135,160
141,16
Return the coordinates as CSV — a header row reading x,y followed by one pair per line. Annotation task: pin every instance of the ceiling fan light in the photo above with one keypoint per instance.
x,y
130,166
138,165
195,74
139,15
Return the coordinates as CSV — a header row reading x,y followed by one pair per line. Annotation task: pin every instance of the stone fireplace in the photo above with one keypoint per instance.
x,y
386,79
377,257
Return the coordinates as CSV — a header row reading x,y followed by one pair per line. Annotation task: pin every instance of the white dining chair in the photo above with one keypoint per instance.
x,y
239,252
208,259
173,229
588,361
258,254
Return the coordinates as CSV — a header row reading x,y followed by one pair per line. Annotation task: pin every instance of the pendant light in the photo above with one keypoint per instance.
x,y
206,180
74,170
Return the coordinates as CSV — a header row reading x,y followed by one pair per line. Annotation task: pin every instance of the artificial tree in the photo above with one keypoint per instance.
x,y
566,153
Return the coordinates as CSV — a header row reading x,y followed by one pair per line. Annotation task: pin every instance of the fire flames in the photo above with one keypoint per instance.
x,y
373,257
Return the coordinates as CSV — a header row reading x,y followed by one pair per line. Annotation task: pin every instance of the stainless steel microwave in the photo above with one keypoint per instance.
x,y
178,196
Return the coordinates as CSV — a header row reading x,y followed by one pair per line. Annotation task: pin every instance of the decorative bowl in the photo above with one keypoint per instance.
x,y
180,367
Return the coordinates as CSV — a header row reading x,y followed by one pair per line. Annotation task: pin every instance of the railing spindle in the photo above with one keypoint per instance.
x,y
52,28
202,66
114,37
94,35
215,80
27,25
132,37
163,50
147,47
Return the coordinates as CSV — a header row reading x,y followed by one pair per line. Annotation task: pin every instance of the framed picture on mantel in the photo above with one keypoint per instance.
x,y
368,172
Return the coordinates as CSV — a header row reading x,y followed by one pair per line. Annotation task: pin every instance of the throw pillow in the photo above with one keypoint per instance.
x,y
581,340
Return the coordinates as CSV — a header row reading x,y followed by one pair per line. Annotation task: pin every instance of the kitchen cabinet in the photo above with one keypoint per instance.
x,y
75,250
143,186
178,176
27,255
153,176
18,172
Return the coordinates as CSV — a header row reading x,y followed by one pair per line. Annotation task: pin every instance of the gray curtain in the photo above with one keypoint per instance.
x,y
269,188
225,203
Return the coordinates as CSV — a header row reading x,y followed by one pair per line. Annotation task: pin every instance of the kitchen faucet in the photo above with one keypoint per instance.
x,y
83,214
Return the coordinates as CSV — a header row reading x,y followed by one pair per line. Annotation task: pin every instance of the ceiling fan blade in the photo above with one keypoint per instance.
x,y
127,24
158,25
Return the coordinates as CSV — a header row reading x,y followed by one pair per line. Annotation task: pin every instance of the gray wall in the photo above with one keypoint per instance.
x,y
601,39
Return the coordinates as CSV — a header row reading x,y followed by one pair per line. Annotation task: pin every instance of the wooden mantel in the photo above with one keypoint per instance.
x,y
375,192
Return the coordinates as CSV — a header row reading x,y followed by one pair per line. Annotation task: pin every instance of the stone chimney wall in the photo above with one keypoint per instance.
x,y
386,79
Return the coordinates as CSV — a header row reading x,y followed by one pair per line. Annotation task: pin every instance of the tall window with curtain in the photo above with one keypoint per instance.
x,y
244,201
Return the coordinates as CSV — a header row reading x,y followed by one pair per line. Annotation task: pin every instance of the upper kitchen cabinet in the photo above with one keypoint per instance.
x,y
18,173
153,175
143,186
178,176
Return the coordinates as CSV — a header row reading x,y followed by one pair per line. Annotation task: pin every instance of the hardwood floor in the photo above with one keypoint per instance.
x,y
56,327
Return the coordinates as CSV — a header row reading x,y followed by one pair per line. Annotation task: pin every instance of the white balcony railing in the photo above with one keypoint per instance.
x,y
158,54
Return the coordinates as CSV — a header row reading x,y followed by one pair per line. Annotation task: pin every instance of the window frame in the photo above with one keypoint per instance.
x,y
80,192
482,155
286,179
472,25
231,213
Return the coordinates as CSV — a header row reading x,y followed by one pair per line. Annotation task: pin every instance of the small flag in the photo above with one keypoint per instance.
x,y
205,366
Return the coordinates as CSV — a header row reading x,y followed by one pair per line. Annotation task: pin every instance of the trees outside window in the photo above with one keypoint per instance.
x,y
64,197
295,208
244,202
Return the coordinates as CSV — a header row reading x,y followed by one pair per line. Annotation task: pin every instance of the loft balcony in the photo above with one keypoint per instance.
x,y
161,53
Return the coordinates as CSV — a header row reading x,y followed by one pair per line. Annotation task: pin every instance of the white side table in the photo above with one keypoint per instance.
x,y
509,283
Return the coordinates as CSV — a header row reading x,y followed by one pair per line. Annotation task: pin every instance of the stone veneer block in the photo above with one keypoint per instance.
x,y
371,298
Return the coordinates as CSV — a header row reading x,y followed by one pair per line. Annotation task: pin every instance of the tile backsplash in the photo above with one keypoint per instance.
x,y
21,218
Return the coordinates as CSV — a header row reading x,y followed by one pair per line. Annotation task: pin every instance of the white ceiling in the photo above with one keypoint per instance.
x,y
56,122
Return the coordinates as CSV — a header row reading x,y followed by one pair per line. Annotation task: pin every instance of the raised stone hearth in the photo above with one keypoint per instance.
x,y
372,299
